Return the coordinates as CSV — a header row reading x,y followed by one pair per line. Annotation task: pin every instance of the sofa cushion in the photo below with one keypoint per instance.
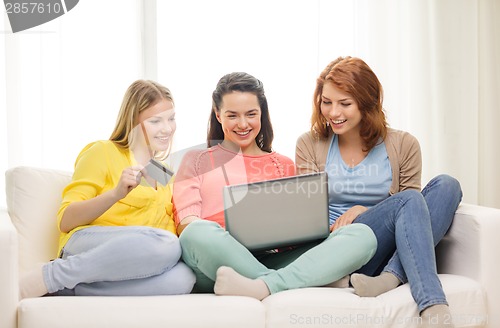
x,y
181,311
340,307
33,199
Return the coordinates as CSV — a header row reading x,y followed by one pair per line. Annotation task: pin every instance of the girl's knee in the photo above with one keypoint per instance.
x,y
365,237
410,194
198,232
448,185
162,245
182,278
445,179
177,280
411,197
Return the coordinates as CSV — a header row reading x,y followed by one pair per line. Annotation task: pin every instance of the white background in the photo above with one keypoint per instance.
x,y
61,84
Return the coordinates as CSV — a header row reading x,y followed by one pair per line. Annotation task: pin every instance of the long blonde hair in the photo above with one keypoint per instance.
x,y
140,95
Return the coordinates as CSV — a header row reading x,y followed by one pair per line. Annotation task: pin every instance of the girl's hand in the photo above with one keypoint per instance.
x,y
130,178
348,217
85,211
184,223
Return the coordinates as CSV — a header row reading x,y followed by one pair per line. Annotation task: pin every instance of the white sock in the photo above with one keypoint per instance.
x,y
32,284
230,282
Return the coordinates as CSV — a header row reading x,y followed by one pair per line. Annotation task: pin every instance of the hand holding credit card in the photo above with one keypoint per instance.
x,y
158,171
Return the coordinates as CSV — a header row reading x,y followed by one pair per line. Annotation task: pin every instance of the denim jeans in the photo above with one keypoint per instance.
x,y
206,246
119,261
408,225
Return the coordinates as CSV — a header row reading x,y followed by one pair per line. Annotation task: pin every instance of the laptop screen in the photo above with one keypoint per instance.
x,y
281,212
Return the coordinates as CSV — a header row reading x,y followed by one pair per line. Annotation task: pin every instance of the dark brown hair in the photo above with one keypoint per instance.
x,y
242,82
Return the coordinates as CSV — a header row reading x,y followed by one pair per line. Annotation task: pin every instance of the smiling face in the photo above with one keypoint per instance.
x,y
240,118
341,111
158,121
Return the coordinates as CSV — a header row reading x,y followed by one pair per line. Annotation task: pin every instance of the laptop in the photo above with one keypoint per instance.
x,y
277,213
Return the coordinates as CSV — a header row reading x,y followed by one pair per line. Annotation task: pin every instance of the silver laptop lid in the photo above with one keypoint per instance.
x,y
280,212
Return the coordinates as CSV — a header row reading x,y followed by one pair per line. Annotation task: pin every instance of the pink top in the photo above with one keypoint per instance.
x,y
203,174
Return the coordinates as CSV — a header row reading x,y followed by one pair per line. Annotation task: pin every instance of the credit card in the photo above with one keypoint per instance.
x,y
158,172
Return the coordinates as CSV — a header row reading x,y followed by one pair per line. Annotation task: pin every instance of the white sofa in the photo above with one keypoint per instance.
x,y
467,263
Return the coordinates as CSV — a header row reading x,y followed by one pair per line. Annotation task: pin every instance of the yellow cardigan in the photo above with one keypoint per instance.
x,y
98,168
402,148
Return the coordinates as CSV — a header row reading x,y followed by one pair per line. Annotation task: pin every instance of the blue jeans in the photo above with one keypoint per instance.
x,y
408,225
206,246
119,261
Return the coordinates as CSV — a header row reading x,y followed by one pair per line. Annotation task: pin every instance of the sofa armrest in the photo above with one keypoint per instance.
x,y
9,272
470,248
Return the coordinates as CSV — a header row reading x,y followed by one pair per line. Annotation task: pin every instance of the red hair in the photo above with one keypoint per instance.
x,y
354,77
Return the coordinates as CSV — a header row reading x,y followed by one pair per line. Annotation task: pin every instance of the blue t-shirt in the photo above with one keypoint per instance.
x,y
366,184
